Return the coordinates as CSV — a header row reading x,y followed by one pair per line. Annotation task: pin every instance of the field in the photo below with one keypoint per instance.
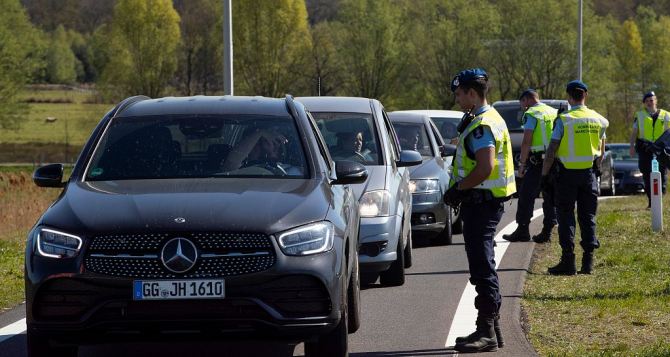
x,y
621,310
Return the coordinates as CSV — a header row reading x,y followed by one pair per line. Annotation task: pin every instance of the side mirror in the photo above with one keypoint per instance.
x,y
409,158
49,176
447,150
349,172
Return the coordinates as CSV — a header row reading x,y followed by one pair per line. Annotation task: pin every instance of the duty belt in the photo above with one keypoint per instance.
x,y
477,196
536,158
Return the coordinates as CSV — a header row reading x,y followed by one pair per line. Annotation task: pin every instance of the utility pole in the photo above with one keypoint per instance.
x,y
227,48
579,40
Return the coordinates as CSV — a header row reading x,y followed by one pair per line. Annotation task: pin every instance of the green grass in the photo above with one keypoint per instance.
x,y
623,309
11,269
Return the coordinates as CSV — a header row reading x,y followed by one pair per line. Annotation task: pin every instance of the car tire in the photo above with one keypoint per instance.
x,y
354,298
40,346
612,190
445,237
332,344
395,275
457,225
409,250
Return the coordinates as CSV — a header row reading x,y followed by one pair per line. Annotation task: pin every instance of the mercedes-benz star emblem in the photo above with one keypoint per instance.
x,y
179,255
180,220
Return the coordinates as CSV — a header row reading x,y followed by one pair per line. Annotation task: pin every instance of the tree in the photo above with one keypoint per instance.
x,y
61,62
143,42
327,76
271,47
21,56
628,53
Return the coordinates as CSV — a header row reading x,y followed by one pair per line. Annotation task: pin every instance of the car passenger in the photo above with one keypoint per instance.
x,y
262,148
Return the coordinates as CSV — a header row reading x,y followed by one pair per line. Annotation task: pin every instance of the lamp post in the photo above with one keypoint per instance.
x,y
227,48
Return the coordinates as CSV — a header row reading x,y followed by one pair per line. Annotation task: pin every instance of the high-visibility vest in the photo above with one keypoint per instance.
x,y
581,140
646,129
545,116
501,180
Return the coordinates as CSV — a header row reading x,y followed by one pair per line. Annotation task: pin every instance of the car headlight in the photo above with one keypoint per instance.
x,y
423,186
375,204
635,173
310,239
55,244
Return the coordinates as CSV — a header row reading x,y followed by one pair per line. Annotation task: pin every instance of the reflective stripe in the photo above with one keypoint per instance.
x,y
582,138
645,122
500,182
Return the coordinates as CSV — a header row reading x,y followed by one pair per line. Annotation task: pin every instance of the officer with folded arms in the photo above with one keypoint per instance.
x,y
482,180
578,139
538,123
648,124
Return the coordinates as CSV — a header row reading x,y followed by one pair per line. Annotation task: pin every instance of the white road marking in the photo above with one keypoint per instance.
x,y
12,329
466,314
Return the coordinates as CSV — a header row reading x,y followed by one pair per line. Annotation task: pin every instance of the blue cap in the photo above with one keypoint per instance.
x,y
647,95
577,84
527,92
468,75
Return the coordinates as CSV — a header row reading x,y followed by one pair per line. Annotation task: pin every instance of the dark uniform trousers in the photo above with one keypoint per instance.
x,y
528,193
580,187
644,164
480,221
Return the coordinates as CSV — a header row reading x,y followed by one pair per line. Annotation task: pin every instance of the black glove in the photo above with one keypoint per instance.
x,y
545,182
453,196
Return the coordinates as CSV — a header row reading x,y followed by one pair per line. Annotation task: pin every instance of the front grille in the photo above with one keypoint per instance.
x,y
219,255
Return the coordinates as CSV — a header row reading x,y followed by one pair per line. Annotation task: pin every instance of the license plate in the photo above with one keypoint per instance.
x,y
178,289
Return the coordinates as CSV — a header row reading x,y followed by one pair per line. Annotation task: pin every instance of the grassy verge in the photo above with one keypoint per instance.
x,y
21,204
621,310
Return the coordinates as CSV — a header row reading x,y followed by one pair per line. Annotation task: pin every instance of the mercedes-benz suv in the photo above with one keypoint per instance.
x,y
214,217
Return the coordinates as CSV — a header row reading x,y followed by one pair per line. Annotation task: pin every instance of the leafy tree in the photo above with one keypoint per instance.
x,y
327,77
143,44
271,47
61,62
21,54
629,56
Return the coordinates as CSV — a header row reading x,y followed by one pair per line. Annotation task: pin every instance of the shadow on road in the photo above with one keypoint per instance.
x,y
430,352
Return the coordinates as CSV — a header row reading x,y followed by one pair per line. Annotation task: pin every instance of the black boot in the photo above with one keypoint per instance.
x,y
521,234
482,340
566,266
496,329
544,236
587,263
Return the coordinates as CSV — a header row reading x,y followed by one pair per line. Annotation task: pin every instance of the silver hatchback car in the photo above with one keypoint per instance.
x,y
359,129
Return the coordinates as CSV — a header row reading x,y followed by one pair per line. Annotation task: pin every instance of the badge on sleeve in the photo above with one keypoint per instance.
x,y
478,132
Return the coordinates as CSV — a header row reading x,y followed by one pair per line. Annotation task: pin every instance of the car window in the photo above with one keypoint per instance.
x,y
437,135
395,145
187,146
413,136
447,126
350,136
621,153
512,115
320,141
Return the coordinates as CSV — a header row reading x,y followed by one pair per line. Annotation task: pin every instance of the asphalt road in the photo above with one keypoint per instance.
x,y
410,320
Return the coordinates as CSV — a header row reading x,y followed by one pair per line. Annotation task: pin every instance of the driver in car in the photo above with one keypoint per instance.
x,y
263,148
351,147
408,138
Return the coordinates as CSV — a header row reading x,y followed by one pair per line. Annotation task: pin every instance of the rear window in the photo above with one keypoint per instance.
x,y
160,147
350,136
413,136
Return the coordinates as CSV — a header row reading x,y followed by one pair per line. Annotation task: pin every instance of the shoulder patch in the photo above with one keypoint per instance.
x,y
478,132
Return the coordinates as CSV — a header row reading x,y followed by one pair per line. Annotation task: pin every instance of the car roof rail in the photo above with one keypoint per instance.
x,y
126,103
290,104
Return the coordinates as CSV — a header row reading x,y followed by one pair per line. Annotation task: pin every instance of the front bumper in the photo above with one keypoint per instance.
x,y
378,239
428,215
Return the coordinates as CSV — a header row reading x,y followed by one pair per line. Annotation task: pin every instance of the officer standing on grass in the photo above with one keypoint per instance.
x,y
482,180
538,123
648,124
578,139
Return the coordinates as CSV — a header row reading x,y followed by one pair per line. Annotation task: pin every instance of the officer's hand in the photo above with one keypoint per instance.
x,y
453,196
522,171
545,181
632,151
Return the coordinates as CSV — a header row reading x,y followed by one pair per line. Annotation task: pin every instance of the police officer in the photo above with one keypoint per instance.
x,y
578,139
648,124
538,123
482,179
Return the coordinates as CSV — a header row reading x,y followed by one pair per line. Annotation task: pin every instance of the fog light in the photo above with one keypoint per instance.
x,y
423,218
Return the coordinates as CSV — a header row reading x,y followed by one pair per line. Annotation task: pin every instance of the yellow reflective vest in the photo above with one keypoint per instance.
x,y
545,116
501,180
646,129
581,139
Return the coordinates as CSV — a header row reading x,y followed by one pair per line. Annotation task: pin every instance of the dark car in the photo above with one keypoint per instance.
x,y
429,181
359,129
627,175
214,217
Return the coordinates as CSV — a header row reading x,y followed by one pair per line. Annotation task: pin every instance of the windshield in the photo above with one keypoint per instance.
x,y
413,136
191,146
350,136
621,153
447,126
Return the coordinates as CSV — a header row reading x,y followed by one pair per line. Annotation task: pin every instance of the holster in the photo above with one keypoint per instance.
x,y
477,196
536,158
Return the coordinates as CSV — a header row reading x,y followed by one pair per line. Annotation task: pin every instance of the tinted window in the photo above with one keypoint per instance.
x,y
447,127
512,116
350,136
154,147
413,136
621,153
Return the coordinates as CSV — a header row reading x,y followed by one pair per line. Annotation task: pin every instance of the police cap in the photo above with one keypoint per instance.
x,y
576,84
468,75
647,95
